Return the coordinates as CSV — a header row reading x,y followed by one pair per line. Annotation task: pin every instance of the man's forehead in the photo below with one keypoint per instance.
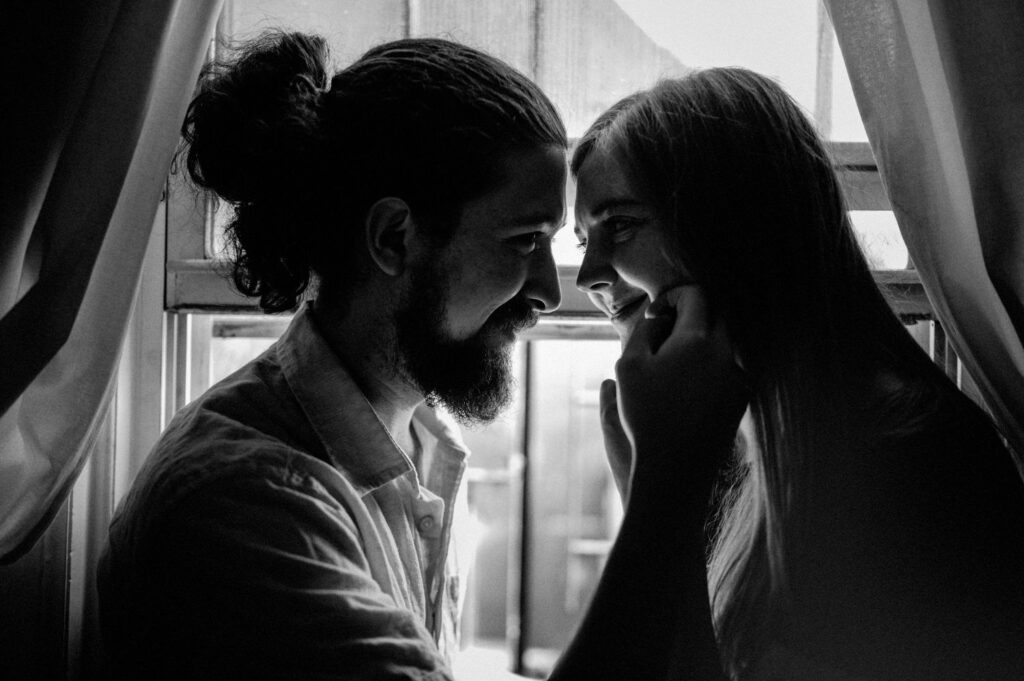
x,y
530,189
546,218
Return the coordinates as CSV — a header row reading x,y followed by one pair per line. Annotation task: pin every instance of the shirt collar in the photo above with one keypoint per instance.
x,y
356,440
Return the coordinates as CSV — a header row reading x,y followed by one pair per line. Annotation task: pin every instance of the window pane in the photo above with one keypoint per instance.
x,y
880,239
237,339
350,26
223,214
847,125
504,28
775,37
565,248
591,54
575,509
491,540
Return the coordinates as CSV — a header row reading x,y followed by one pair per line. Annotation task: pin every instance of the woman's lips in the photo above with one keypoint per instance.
x,y
621,312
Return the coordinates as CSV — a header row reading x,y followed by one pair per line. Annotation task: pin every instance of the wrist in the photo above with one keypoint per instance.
x,y
660,496
687,463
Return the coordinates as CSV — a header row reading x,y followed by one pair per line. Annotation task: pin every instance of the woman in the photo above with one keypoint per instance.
x,y
872,526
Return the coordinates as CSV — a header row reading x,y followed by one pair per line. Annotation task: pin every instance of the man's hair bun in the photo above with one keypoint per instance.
x,y
256,115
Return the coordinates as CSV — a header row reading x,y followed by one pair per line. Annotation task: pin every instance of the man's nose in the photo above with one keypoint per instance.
x,y
542,288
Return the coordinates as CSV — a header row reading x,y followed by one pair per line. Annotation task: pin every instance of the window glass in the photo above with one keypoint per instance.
x,y
598,52
880,239
576,508
846,124
237,339
350,26
775,37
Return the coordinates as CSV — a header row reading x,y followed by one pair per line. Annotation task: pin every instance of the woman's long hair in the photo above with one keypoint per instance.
x,y
733,164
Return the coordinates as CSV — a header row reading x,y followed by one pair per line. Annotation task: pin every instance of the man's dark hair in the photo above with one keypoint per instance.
x,y
302,155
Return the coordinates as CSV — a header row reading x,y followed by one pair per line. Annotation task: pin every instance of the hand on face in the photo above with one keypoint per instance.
x,y
681,394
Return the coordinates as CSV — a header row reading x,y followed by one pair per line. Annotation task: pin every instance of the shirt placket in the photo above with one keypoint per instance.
x,y
428,512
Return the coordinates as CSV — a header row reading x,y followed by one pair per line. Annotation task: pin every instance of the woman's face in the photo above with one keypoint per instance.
x,y
626,263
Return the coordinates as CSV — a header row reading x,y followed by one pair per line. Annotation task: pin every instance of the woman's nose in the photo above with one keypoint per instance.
x,y
595,272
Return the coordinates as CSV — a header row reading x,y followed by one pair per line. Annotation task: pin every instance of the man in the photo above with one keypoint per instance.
x,y
294,521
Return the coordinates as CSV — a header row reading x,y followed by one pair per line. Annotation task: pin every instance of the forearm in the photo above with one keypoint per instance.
x,y
650,617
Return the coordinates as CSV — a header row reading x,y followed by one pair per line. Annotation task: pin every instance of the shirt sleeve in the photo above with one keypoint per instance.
x,y
264,576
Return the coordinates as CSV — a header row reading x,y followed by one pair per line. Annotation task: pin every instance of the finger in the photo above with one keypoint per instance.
x,y
609,403
665,303
691,306
617,448
691,316
677,311
647,337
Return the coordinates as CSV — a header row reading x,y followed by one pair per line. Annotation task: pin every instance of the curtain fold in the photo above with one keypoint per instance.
x,y
940,86
76,228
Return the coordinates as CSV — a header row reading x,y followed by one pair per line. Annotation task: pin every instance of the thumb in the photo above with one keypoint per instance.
x,y
617,448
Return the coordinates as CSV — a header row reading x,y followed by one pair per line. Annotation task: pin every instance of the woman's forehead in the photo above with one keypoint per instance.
x,y
603,184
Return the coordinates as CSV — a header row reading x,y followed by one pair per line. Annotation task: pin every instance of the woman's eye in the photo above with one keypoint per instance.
x,y
621,229
614,230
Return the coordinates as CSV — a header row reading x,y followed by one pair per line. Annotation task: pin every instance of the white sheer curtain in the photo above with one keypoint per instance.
x,y
81,189
940,86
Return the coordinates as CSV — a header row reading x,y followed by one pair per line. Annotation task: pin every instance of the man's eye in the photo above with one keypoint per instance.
x,y
527,243
582,246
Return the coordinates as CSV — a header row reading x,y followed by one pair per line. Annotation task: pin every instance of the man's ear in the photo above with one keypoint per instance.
x,y
389,227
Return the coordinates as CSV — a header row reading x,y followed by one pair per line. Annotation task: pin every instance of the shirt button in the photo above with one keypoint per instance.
x,y
426,524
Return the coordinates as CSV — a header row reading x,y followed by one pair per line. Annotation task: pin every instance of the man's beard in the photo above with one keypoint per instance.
x,y
471,377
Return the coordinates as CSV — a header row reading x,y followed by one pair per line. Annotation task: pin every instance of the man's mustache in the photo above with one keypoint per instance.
x,y
514,316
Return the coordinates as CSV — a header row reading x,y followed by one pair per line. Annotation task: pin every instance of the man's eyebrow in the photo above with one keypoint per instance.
x,y
529,219
614,202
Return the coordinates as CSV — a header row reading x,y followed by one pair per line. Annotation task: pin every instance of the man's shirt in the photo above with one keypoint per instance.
x,y
278,531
